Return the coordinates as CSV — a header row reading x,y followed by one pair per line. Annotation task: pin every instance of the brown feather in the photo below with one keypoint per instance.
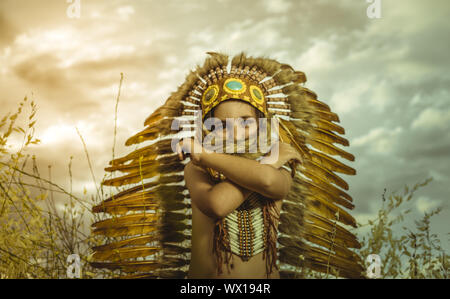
x,y
139,240
160,147
330,149
121,254
325,227
319,105
286,135
309,166
126,230
327,209
153,131
327,190
329,126
330,116
331,163
328,137
126,220
141,266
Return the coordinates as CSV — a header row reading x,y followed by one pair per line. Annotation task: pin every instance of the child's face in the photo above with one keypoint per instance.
x,y
236,109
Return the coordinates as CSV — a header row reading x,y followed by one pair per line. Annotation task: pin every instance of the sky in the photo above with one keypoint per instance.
x,y
387,78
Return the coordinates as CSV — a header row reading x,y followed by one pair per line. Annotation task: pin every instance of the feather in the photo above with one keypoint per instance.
x,y
147,164
141,218
300,77
122,254
324,227
326,209
162,112
287,136
126,230
153,275
327,136
329,126
312,223
330,116
319,187
140,201
338,249
330,163
311,167
148,172
139,240
131,178
330,149
153,131
158,148
141,266
289,274
319,105
323,256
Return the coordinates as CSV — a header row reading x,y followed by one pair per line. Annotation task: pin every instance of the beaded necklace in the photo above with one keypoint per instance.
x,y
247,231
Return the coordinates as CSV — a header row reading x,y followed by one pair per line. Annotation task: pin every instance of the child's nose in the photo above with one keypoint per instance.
x,y
239,131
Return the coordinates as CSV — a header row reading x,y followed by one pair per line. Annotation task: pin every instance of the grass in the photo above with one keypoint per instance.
x,y
416,252
36,236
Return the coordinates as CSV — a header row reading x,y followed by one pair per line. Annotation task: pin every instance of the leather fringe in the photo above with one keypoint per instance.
x,y
271,218
221,245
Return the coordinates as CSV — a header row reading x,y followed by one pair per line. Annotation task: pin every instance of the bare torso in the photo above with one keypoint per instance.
x,y
203,263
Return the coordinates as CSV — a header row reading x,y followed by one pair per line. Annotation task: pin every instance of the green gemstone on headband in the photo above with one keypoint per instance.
x,y
234,85
257,94
210,94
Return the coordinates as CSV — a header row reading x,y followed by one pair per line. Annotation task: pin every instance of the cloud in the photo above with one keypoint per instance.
x,y
277,6
7,31
124,12
379,140
320,56
54,83
363,218
425,204
432,118
257,37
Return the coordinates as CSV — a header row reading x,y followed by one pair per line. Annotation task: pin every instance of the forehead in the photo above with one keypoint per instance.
x,y
234,108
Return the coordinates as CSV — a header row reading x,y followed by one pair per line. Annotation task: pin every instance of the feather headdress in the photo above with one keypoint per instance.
x,y
148,225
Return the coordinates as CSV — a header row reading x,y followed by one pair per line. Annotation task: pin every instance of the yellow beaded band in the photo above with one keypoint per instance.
x,y
234,88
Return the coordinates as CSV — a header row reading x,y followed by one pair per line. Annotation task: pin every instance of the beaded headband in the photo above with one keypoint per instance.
x,y
249,83
231,87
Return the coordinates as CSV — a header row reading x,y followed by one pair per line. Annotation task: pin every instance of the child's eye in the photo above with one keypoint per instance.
x,y
248,121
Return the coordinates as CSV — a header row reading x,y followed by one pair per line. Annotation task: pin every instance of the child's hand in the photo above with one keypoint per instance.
x,y
190,147
286,152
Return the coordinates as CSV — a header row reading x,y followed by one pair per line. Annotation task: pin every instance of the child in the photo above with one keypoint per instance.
x,y
211,202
